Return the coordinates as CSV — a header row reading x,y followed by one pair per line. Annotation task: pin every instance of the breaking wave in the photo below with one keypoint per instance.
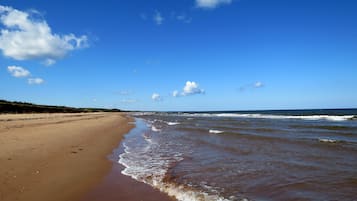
x,y
270,116
216,131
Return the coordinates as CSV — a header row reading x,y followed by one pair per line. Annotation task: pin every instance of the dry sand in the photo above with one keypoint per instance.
x,y
59,156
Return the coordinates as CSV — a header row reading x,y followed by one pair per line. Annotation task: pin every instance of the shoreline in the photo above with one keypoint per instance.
x,y
59,156
117,186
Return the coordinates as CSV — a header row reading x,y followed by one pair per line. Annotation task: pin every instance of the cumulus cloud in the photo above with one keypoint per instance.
x,y
35,80
158,19
156,97
190,88
211,3
23,37
18,71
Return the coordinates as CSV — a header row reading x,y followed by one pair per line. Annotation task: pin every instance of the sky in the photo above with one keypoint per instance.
x,y
180,55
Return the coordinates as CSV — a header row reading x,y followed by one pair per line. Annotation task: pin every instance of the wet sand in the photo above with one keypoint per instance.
x,y
116,186
61,156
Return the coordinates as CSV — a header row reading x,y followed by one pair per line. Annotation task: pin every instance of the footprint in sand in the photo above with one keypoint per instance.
x,y
74,152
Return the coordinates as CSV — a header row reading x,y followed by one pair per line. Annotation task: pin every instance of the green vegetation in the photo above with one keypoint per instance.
x,y
23,107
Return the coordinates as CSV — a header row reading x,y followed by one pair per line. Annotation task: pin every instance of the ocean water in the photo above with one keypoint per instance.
x,y
256,155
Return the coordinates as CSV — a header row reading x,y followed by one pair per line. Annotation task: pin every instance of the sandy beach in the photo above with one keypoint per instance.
x,y
59,156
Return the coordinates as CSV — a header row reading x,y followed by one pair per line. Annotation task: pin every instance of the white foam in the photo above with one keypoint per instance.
x,y
182,193
306,117
147,138
153,173
151,169
153,128
143,113
327,140
271,116
172,123
126,148
149,162
216,131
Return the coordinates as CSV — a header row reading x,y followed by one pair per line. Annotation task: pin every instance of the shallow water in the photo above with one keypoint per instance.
x,y
254,156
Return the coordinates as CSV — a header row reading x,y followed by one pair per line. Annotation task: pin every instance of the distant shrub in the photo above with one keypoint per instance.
x,y
23,107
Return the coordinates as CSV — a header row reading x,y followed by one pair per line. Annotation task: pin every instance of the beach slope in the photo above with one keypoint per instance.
x,y
56,156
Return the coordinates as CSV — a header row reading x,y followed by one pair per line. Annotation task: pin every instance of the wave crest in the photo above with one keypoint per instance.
x,y
272,116
216,131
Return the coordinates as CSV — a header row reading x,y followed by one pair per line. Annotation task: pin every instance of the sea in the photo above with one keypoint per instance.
x,y
245,155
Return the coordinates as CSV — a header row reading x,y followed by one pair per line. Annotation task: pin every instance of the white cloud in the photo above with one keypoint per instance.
x,y
4,8
35,81
24,38
175,93
158,19
258,84
18,71
191,88
211,3
156,97
49,62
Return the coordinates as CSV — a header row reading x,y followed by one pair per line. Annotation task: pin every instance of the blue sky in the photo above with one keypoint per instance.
x,y
180,54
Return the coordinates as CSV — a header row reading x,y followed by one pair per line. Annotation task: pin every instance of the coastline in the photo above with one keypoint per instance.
x,y
117,186
57,156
